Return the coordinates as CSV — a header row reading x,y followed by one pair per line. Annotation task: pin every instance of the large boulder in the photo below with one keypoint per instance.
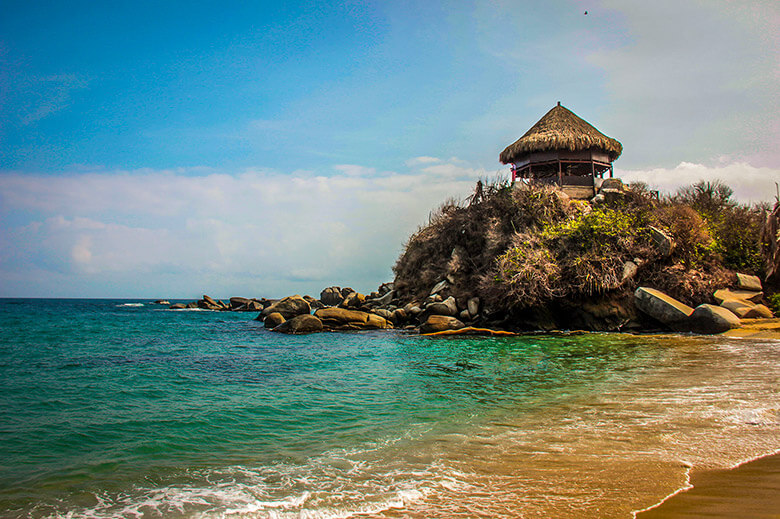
x,y
289,307
711,319
660,306
446,307
331,296
273,320
748,282
300,324
344,319
725,294
177,306
237,303
440,323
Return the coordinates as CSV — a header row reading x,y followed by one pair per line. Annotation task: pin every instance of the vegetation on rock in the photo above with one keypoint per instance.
x,y
530,249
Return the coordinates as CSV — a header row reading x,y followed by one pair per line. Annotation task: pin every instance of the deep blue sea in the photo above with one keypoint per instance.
x,y
123,408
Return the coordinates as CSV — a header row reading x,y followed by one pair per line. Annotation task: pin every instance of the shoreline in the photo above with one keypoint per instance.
x,y
750,489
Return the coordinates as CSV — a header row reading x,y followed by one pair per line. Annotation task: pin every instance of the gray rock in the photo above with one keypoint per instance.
x,y
465,315
438,287
382,300
446,307
660,306
711,319
381,312
612,185
384,288
748,282
473,306
300,324
629,271
440,323
663,242
331,296
289,307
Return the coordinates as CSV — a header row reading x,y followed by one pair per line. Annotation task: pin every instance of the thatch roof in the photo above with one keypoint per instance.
x,y
561,129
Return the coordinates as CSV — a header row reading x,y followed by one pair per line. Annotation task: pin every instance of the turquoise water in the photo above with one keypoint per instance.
x,y
124,408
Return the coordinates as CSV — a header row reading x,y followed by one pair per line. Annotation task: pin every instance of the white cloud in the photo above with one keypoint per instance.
x,y
750,183
693,80
421,161
257,232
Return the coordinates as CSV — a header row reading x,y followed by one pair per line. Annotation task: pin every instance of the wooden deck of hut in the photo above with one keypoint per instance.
x,y
564,150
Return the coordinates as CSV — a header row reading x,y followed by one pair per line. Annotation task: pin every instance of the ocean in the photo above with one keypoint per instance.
x,y
123,408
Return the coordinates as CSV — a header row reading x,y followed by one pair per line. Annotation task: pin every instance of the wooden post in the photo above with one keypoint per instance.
x,y
560,174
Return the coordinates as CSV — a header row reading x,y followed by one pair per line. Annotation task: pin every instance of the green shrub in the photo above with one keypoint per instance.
x,y
774,303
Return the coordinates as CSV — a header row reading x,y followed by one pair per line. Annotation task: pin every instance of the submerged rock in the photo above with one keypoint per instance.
x,y
300,324
273,320
439,323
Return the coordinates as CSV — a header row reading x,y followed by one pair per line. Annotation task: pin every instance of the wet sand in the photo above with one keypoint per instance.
x,y
749,491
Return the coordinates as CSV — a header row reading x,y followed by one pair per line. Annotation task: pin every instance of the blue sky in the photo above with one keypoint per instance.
x,y
167,149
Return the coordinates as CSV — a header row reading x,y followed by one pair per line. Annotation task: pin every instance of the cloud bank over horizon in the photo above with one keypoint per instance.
x,y
256,233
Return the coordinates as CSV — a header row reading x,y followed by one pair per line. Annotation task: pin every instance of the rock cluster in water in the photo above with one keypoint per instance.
x,y
341,309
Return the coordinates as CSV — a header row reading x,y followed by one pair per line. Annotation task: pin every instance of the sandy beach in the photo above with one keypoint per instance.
x,y
751,490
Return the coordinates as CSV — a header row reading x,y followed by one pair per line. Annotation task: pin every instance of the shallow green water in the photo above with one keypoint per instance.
x,y
114,409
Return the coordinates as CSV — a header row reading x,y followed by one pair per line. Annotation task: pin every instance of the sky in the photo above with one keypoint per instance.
x,y
171,149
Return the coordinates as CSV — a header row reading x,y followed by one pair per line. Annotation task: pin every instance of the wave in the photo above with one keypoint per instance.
x,y
130,305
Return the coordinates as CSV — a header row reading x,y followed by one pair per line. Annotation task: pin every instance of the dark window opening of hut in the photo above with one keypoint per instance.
x,y
565,150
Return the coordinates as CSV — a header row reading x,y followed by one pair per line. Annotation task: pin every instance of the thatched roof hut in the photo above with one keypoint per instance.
x,y
561,129
564,149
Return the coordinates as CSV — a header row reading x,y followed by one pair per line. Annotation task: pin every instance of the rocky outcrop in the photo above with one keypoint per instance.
x,y
345,319
304,323
209,303
289,307
709,319
177,306
661,307
440,323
